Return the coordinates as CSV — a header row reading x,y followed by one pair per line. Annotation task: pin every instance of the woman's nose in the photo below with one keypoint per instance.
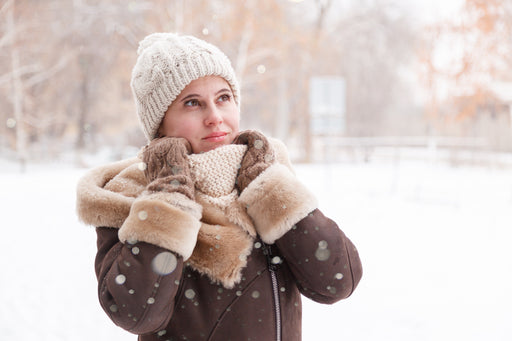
x,y
213,116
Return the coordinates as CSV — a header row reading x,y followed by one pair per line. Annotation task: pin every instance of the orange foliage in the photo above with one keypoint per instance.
x,y
480,56
487,13
469,106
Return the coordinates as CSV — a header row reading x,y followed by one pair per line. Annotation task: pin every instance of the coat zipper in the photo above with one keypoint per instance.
x,y
276,301
275,289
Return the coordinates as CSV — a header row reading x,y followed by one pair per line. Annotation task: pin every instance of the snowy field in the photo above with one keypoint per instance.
x,y
434,241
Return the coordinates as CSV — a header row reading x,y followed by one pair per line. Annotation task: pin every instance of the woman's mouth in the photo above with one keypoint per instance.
x,y
217,136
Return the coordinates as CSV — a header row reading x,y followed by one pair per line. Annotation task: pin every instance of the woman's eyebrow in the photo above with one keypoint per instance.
x,y
188,97
197,95
222,90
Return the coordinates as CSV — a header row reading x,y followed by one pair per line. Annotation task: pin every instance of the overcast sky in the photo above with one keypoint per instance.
x,y
430,10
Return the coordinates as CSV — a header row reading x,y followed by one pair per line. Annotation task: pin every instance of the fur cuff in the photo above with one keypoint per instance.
x,y
169,220
276,201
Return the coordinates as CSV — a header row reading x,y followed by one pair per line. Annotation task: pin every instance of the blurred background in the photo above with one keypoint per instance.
x,y
334,79
397,114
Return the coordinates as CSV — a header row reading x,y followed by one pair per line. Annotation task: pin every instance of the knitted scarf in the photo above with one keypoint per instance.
x,y
214,174
227,232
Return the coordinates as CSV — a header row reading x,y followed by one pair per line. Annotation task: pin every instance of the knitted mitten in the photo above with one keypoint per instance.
x,y
259,156
167,167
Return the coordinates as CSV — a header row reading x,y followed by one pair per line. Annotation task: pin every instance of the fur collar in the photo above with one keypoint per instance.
x,y
105,196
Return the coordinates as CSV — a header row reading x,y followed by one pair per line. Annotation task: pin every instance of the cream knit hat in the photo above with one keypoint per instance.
x,y
167,63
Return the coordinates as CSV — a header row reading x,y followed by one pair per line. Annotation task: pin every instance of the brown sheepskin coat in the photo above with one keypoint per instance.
x,y
170,268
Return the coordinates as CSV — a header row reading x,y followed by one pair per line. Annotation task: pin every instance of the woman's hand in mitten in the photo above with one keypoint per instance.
x,y
167,167
259,156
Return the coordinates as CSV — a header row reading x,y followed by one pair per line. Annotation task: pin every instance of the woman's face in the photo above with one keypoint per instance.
x,y
205,113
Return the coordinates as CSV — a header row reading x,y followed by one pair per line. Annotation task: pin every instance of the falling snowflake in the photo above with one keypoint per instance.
x,y
120,279
143,215
322,253
11,123
142,166
164,263
190,294
332,290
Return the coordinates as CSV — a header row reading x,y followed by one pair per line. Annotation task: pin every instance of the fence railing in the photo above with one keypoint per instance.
x,y
446,149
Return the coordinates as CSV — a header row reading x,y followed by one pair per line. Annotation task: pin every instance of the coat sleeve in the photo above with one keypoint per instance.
x,y
324,262
140,254
137,283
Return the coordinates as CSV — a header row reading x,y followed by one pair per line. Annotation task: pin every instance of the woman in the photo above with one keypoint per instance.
x,y
207,235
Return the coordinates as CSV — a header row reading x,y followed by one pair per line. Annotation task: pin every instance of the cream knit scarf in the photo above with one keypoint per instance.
x,y
214,174
226,237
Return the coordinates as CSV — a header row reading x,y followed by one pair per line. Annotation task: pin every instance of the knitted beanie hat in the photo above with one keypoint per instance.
x,y
166,64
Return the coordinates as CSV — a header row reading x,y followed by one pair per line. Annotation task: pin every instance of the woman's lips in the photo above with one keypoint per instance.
x,y
217,136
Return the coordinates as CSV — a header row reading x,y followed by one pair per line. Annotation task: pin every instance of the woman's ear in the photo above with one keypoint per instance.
x,y
159,133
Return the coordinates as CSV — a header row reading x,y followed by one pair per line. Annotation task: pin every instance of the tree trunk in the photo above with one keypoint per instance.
x,y
282,122
17,92
83,109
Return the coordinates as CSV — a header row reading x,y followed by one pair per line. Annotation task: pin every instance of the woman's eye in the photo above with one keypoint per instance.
x,y
224,98
192,103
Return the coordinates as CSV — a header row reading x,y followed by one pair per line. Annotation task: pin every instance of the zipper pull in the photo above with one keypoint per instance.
x,y
272,262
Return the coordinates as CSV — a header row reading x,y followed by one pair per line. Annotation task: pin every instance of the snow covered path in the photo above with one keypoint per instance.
x,y
434,241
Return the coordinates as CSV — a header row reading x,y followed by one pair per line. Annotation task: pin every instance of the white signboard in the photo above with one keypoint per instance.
x,y
327,105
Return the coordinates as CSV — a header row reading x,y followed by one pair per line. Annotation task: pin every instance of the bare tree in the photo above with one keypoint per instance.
x,y
374,48
75,59
17,87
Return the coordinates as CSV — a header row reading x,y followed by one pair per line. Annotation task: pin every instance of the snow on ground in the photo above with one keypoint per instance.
x,y
435,246
434,242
